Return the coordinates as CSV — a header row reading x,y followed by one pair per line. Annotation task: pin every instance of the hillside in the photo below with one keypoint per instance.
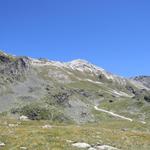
x,y
144,80
68,91
63,105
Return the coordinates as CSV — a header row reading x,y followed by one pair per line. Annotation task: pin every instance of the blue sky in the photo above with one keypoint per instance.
x,y
113,34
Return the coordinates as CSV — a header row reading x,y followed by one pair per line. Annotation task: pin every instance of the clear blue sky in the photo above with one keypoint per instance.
x,y
114,34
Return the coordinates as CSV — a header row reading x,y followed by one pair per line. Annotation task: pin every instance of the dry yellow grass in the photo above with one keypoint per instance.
x,y
121,134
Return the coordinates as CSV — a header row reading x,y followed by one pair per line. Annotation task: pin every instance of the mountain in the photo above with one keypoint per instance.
x,y
69,91
145,80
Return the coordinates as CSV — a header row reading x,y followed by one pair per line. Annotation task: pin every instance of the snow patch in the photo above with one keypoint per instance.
x,y
120,93
93,81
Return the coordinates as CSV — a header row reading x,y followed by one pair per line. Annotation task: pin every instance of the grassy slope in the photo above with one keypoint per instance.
x,y
128,107
31,135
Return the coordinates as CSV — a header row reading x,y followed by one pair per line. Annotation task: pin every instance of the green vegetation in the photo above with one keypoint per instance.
x,y
64,97
121,134
131,108
35,111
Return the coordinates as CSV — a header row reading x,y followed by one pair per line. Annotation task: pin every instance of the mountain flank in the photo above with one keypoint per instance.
x,y
68,91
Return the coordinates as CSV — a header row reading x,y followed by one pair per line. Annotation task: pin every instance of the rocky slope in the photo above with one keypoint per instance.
x,y
145,80
43,89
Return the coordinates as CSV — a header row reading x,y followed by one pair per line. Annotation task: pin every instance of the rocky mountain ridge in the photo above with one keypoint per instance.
x,y
66,91
145,80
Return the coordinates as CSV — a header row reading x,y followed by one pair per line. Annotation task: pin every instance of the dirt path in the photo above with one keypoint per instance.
x,y
113,114
116,115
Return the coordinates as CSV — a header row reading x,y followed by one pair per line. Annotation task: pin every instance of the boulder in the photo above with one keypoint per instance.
x,y
81,145
24,118
47,127
2,144
105,147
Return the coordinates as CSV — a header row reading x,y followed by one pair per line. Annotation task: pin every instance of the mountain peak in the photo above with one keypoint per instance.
x,y
79,61
83,65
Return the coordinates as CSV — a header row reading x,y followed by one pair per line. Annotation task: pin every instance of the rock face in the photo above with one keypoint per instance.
x,y
12,69
43,89
145,80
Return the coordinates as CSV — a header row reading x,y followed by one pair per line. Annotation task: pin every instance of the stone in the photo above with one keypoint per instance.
x,y
2,144
13,125
47,127
105,147
69,141
23,148
24,118
81,145
92,148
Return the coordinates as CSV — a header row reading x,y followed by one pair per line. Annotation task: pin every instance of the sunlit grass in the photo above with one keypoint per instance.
x,y
121,134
